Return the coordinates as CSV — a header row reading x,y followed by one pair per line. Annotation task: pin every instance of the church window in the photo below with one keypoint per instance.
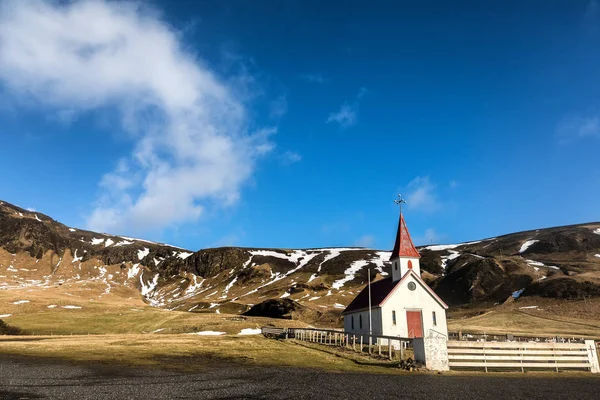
x,y
360,321
396,266
352,322
412,286
393,317
434,319
409,264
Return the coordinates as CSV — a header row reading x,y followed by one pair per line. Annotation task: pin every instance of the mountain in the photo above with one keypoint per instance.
x,y
37,252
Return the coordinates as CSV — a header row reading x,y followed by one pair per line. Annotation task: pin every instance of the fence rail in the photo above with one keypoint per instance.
x,y
504,337
521,355
393,346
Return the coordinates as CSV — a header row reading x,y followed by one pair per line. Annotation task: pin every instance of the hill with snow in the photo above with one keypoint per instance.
x,y
38,252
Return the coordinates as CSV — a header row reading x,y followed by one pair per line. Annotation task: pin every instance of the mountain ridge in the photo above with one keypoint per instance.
x,y
558,263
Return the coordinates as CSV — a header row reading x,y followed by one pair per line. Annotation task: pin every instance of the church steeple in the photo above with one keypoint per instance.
x,y
403,247
405,256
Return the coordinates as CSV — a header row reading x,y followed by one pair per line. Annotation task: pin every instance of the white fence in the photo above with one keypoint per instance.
x,y
521,355
383,345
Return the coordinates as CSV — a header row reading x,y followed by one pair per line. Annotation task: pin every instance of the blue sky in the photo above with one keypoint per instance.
x,y
296,123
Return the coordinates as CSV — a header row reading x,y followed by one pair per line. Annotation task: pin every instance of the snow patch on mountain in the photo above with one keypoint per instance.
x,y
146,289
440,247
527,244
453,254
183,255
381,257
75,258
350,273
535,263
143,253
133,271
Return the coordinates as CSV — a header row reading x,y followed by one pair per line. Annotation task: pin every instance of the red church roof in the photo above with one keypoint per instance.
x,y
404,247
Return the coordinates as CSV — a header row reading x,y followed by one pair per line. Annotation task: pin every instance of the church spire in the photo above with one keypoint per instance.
x,y
403,247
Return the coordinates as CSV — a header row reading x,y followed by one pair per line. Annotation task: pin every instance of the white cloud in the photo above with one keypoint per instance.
x,y
192,144
279,107
578,127
290,157
429,237
314,78
365,241
422,195
346,116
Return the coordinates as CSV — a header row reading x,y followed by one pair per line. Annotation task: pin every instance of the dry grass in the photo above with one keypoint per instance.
x,y
187,353
112,315
526,323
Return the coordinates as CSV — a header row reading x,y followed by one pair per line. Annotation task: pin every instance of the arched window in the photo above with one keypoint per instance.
x,y
409,264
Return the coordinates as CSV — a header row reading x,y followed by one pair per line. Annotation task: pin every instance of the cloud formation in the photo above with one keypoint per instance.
x,y
431,236
313,78
367,241
346,116
192,142
290,157
422,195
578,127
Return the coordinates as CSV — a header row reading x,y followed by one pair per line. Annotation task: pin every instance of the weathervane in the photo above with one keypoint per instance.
x,y
400,201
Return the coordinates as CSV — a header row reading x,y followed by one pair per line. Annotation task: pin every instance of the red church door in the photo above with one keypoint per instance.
x,y
415,324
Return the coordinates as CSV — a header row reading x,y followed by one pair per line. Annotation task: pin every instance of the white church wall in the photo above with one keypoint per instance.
x,y
400,267
404,265
403,300
375,322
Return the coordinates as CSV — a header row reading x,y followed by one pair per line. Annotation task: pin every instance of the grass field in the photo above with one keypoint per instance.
x,y
79,324
112,315
526,323
189,353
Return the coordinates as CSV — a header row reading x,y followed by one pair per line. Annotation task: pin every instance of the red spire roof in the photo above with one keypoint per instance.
x,y
404,247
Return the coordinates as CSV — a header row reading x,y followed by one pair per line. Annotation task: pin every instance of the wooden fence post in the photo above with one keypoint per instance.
x,y
401,350
390,348
354,342
361,343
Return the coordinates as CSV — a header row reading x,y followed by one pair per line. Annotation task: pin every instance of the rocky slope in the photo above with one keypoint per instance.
x,y
39,252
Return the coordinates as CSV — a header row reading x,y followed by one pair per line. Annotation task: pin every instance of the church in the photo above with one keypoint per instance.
x,y
402,305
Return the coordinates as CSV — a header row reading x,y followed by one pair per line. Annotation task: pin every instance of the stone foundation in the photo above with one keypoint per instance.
x,y
433,352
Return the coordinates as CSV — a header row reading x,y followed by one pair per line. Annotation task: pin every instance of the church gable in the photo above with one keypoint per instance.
x,y
411,282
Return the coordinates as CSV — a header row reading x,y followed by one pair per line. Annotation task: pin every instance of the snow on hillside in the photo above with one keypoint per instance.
x,y
527,244
453,254
350,272
440,247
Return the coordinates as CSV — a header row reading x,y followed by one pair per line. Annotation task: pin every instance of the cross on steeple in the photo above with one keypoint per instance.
x,y
400,201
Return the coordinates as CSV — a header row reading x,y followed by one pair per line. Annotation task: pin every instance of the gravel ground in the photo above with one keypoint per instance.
x,y
39,379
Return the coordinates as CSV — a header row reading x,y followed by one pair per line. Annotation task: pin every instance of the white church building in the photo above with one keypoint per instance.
x,y
402,305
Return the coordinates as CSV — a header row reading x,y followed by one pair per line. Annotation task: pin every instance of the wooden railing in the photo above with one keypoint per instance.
x,y
521,355
392,345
